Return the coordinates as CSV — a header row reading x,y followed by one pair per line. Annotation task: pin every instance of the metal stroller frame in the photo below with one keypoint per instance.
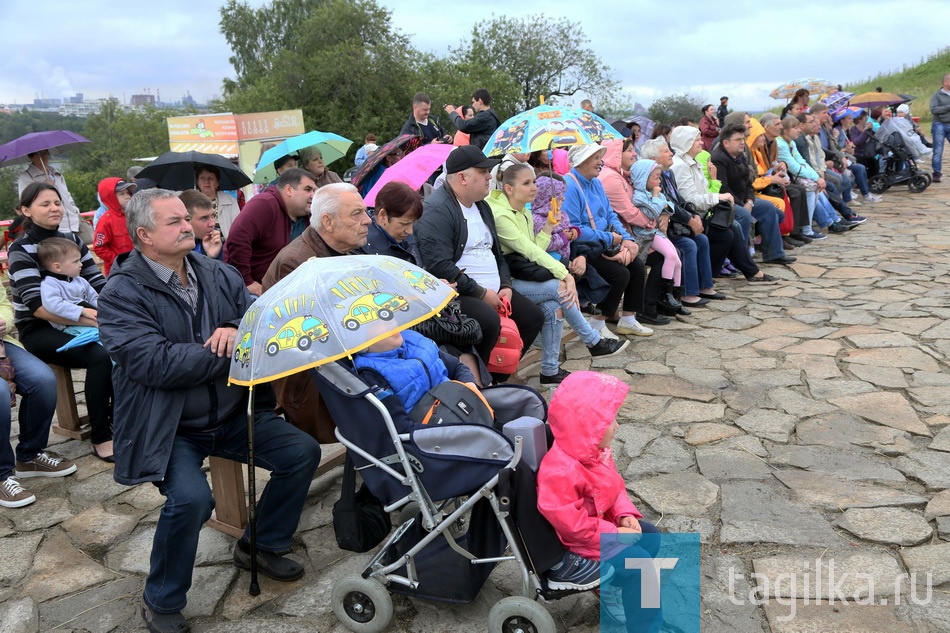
x,y
363,602
896,154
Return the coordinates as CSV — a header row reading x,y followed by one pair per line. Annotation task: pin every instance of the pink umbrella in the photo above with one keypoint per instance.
x,y
414,169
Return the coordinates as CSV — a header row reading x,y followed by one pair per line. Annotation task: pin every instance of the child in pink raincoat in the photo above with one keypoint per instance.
x,y
583,496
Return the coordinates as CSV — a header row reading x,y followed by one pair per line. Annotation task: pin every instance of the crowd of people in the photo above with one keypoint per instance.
x,y
615,238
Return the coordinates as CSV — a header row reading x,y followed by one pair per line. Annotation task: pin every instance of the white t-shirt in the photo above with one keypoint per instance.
x,y
477,258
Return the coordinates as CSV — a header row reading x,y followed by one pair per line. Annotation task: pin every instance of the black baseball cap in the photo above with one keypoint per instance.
x,y
466,157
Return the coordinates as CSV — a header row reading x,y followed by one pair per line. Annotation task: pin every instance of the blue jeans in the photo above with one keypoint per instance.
x,y
545,295
860,173
36,385
767,218
292,457
825,214
697,271
940,132
744,218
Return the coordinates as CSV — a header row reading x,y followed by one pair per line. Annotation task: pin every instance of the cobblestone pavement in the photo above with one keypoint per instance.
x,y
793,426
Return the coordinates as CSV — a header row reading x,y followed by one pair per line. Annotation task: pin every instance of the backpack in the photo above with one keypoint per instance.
x,y
452,402
506,354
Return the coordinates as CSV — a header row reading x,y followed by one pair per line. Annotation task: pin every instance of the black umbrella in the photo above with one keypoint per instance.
x,y
178,171
621,126
374,159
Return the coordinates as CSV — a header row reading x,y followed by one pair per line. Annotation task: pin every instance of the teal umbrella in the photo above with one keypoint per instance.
x,y
332,146
548,126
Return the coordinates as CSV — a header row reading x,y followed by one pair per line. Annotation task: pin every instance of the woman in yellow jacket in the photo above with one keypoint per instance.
x,y
515,227
34,381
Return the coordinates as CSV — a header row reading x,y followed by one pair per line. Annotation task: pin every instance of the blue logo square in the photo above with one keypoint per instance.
x,y
650,579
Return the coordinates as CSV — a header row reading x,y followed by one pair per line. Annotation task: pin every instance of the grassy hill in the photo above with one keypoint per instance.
x,y
921,81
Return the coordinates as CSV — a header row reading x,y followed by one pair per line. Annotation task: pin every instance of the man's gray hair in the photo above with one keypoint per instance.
x,y
327,201
139,212
767,118
651,149
132,172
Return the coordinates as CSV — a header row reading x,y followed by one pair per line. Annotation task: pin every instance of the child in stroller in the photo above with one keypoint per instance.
x,y
898,164
584,497
474,498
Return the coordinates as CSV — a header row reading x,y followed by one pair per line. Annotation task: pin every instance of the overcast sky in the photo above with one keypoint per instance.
x,y
655,48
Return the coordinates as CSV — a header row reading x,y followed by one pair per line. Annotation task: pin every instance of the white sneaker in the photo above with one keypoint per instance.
x,y
855,202
606,333
629,325
873,198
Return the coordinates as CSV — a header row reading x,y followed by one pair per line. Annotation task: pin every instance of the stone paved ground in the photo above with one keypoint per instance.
x,y
794,426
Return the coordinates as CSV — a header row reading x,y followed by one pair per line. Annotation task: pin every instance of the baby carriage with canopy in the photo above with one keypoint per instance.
x,y
898,164
466,495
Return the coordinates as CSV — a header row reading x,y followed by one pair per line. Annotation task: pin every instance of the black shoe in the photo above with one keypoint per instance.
x,y
561,373
606,347
268,563
716,296
817,235
838,227
164,622
791,242
695,304
801,237
857,219
684,311
655,319
936,177
781,260
591,310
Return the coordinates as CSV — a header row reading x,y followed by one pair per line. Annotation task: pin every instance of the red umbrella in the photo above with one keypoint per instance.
x,y
413,170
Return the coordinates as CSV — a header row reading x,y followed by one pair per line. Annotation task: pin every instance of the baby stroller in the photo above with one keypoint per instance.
x,y
466,496
899,165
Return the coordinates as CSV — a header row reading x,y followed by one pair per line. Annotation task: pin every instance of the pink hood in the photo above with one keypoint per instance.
x,y
579,489
616,183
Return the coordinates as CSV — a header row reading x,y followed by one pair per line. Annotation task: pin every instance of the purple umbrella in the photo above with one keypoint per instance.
x,y
16,150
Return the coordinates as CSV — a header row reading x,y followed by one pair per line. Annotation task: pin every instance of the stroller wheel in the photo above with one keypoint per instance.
x,y
517,614
878,183
918,184
362,604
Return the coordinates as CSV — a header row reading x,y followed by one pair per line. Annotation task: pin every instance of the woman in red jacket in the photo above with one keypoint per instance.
x,y
709,126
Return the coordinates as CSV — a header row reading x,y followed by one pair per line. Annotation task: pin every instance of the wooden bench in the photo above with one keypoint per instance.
x,y
68,420
227,484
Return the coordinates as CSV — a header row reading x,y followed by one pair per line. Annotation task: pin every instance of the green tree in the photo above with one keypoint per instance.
x,y
17,124
675,106
342,63
542,55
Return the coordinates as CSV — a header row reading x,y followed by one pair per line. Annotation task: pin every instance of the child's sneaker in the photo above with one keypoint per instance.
x,y
12,495
611,602
44,465
577,572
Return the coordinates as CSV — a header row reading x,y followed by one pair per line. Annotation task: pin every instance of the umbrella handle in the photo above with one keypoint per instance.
x,y
255,588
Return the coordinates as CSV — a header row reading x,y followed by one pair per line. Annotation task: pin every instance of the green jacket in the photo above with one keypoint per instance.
x,y
516,233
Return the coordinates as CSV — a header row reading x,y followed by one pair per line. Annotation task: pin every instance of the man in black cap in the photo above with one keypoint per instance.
x,y
458,241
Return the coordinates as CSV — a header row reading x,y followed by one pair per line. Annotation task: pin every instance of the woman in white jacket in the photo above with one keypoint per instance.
x,y
691,187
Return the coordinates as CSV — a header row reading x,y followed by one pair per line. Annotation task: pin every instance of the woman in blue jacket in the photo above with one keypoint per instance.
x,y
586,204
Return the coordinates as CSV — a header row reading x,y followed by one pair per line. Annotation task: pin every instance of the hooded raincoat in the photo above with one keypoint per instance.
x,y
690,181
580,491
651,207
112,236
617,185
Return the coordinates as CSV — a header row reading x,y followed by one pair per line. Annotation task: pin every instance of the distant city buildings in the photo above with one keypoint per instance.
x,y
78,105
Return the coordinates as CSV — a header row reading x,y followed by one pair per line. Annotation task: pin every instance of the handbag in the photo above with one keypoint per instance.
x,y
359,521
720,216
451,327
506,354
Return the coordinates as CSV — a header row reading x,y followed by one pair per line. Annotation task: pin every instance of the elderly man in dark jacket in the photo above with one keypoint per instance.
x,y
733,171
458,242
167,317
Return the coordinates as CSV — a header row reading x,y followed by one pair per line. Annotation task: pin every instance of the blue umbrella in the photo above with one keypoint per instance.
x,y
86,336
836,99
332,147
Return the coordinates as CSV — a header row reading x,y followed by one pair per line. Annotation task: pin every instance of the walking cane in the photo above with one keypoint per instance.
x,y
255,588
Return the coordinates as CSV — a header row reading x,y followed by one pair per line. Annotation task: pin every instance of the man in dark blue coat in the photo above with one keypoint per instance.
x,y
168,318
